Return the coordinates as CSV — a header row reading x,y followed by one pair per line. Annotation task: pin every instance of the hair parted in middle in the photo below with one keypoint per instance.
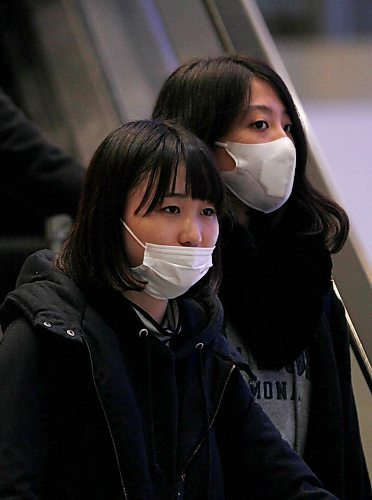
x,y
94,254
207,95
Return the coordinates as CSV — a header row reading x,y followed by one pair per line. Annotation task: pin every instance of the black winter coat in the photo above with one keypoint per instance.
x,y
37,179
94,407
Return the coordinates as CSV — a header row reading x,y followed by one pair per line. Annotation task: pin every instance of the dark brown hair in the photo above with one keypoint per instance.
x,y
94,255
207,95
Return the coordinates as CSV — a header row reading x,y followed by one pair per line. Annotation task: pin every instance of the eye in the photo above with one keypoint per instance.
x,y
209,211
260,125
288,128
171,209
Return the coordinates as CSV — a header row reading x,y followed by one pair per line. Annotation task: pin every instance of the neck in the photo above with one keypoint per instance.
x,y
154,307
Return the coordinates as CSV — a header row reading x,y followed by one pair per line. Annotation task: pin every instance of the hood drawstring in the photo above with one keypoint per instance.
x,y
144,334
200,347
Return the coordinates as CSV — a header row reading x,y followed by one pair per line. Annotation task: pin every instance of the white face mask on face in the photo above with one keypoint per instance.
x,y
171,270
264,173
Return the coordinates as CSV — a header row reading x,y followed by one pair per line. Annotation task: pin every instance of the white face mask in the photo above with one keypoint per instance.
x,y
171,270
264,173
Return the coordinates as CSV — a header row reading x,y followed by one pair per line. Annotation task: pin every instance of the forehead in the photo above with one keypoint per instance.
x,y
261,96
262,90
149,188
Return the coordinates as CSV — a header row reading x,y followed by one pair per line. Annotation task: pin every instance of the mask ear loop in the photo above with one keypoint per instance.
x,y
132,234
221,144
224,145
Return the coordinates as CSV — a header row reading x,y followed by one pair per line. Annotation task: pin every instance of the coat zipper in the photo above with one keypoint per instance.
x,y
182,478
105,415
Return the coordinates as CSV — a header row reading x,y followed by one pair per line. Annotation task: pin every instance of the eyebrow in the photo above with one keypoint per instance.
x,y
263,107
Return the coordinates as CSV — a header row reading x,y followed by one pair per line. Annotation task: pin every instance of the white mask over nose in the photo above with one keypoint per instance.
x,y
264,173
169,271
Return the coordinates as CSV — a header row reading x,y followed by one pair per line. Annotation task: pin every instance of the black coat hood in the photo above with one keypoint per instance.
x,y
45,296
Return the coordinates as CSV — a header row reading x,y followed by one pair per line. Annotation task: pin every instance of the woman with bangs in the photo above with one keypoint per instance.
x,y
115,380
281,311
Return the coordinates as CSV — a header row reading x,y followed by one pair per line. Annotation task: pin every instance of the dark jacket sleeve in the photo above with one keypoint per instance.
x,y
22,415
258,463
356,478
34,174
333,445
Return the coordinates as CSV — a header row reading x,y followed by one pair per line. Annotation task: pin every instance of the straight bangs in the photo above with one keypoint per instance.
x,y
177,151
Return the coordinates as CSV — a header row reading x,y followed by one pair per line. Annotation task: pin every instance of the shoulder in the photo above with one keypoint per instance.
x,y
23,342
32,360
20,357
18,339
45,300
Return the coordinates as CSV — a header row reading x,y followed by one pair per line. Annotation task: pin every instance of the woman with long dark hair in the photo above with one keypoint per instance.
x,y
281,311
